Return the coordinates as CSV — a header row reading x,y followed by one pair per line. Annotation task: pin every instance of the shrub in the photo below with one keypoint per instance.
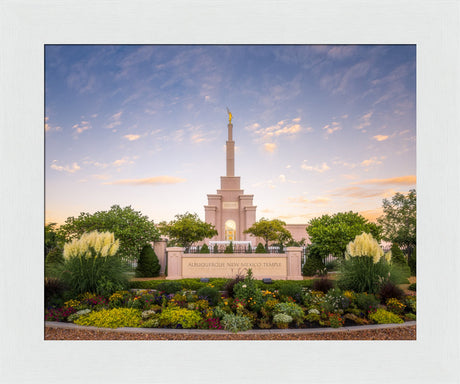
x,y
282,320
169,287
260,248
366,301
389,291
335,320
395,306
314,262
55,292
248,291
147,264
112,318
412,287
229,248
413,263
204,249
397,256
236,323
92,265
211,294
411,316
215,249
59,314
323,285
53,260
384,317
179,318
76,315
411,303
293,310
249,249
291,290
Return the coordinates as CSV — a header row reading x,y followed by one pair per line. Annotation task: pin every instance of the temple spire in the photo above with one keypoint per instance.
x,y
230,147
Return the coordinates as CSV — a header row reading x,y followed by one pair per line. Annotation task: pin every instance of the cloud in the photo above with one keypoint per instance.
x,y
364,121
270,147
132,137
49,128
282,178
124,161
380,137
115,120
321,200
374,160
298,200
282,128
197,135
101,177
372,215
317,168
402,180
158,180
67,168
332,127
362,193
81,127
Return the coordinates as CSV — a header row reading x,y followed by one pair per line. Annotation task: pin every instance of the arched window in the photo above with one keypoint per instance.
x,y
230,230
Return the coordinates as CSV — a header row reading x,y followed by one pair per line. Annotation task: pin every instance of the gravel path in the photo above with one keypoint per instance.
x,y
55,331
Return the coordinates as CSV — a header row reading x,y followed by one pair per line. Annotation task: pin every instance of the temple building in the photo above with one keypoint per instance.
x,y
230,210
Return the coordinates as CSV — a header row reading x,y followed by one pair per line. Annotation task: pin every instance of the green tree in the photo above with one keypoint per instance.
x,y
331,234
52,239
133,229
187,229
399,220
270,230
148,264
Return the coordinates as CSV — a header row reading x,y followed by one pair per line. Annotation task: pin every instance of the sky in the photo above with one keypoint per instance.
x,y
317,129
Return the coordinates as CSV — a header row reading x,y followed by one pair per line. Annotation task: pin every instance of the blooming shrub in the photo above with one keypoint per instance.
x,y
384,317
111,318
76,315
236,323
58,314
395,306
282,320
210,323
248,292
335,320
293,310
411,303
91,264
179,318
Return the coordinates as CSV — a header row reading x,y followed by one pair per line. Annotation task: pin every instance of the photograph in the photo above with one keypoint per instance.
x,y
311,227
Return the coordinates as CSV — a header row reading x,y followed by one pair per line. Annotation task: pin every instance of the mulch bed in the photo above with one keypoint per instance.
x,y
397,333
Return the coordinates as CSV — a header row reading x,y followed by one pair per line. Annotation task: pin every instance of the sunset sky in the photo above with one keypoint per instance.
x,y
318,129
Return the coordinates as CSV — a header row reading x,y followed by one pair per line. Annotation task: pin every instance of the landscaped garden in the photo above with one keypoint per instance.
x,y
93,291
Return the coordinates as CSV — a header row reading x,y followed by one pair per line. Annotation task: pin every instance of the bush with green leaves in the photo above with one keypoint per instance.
x,y
248,291
204,249
260,248
176,317
169,287
413,263
54,259
211,294
91,264
291,290
380,316
295,311
282,320
314,262
78,314
148,264
365,267
366,301
229,248
236,323
249,248
412,287
324,284
390,290
111,318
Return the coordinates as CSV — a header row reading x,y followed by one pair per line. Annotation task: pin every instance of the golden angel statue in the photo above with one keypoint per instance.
x,y
229,116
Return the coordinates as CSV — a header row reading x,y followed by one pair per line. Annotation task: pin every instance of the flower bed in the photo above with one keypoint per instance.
x,y
247,306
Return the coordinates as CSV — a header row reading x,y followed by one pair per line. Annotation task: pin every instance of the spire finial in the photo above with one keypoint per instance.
x,y
229,116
